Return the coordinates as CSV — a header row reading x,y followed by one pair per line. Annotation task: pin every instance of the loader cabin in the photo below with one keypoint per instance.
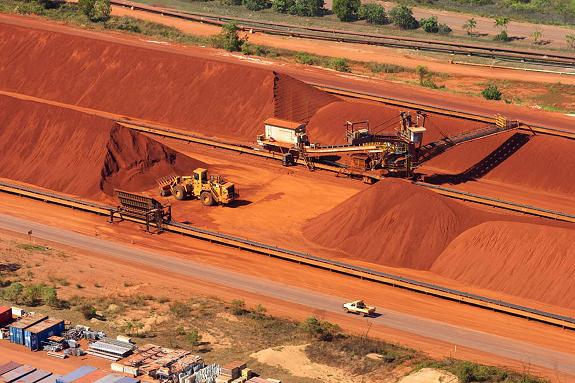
x,y
284,133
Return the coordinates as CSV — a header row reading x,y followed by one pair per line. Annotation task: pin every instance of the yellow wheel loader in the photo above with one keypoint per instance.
x,y
210,190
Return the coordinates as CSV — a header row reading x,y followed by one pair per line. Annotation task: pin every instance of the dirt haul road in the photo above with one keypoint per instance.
x,y
319,76
524,352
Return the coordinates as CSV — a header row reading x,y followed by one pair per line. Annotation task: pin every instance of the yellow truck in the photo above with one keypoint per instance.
x,y
211,190
358,307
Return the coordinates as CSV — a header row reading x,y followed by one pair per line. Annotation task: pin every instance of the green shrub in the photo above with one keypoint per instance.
x,y
256,5
384,68
123,23
322,330
430,25
402,17
346,10
228,38
29,9
282,6
340,65
372,13
88,311
194,338
491,92
307,8
306,58
180,310
238,307
96,10
502,36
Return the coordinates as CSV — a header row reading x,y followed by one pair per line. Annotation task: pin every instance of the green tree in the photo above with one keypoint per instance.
x,y
307,8
565,8
346,10
260,311
536,36
13,292
431,25
256,5
372,13
96,10
422,72
402,17
31,295
469,26
501,23
491,92
282,6
50,296
228,38
194,338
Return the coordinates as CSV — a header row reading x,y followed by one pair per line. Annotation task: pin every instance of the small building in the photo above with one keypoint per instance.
x,y
5,316
35,335
284,131
17,328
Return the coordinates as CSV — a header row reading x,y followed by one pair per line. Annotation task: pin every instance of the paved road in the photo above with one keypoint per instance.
x,y
500,346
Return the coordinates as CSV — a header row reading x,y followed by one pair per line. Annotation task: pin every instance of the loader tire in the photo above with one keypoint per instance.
x,y
207,198
179,192
165,193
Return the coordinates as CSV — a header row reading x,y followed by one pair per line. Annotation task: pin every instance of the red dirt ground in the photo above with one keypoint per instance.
x,y
79,154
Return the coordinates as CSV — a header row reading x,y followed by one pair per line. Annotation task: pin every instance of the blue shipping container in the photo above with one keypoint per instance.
x,y
76,374
17,328
35,335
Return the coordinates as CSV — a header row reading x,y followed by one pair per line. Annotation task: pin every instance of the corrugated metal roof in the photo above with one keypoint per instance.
x,y
46,324
8,367
34,377
76,374
3,309
29,321
16,373
92,377
125,379
110,378
49,379
283,123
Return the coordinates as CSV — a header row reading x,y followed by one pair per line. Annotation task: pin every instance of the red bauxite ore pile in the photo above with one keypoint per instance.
x,y
209,97
395,223
79,154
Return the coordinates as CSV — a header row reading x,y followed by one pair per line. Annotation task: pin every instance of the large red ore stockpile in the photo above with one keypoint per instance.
x,y
210,97
395,223
79,154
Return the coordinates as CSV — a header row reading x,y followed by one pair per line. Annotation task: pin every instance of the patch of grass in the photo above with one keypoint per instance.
x,y
468,372
30,247
353,350
385,68
307,58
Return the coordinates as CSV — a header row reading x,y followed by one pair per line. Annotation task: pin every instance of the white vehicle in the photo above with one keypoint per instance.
x,y
358,307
